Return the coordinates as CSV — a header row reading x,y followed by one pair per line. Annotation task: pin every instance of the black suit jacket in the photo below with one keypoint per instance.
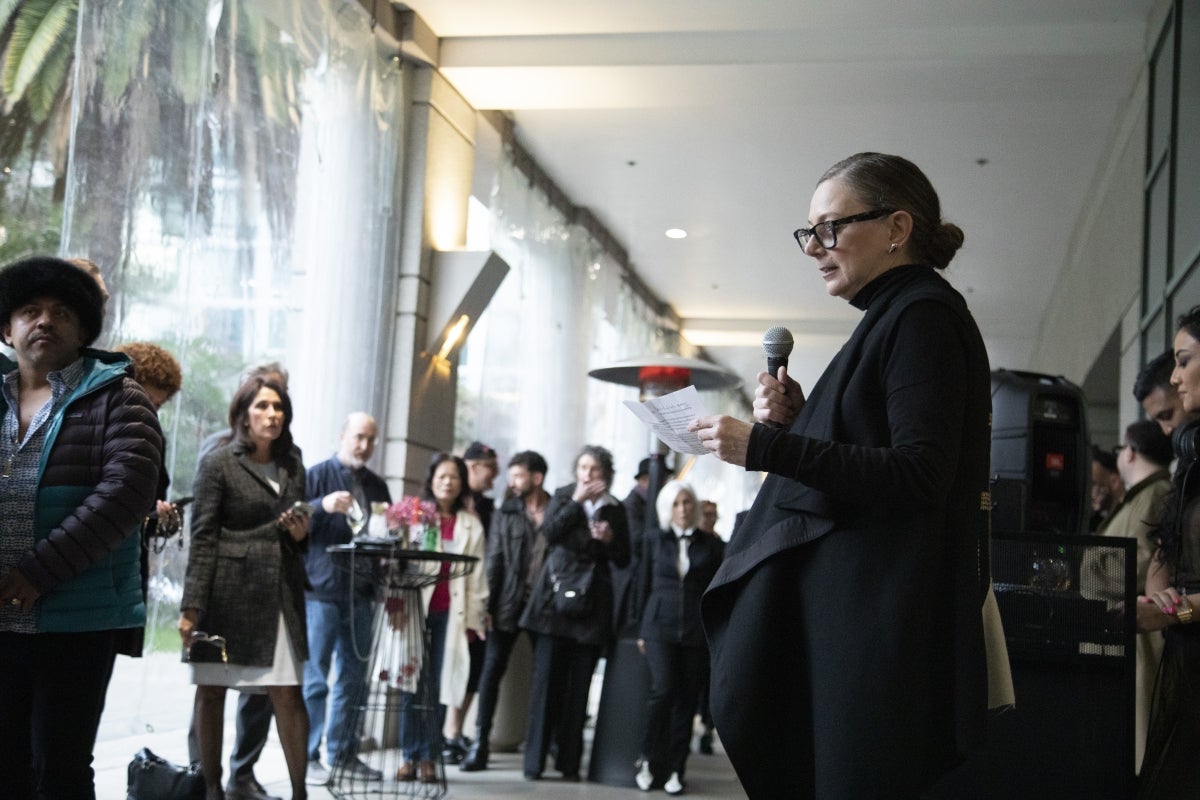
x,y
671,608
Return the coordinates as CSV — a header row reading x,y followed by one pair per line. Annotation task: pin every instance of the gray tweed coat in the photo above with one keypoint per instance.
x,y
243,569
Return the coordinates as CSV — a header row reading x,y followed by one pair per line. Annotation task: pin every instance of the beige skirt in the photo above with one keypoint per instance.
x,y
285,669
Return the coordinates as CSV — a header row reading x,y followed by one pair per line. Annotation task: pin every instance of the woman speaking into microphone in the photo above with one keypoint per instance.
x,y
845,621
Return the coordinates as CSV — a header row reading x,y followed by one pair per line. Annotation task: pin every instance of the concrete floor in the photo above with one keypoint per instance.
x,y
150,703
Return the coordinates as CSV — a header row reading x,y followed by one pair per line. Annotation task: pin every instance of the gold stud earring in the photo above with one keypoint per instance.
x,y
892,249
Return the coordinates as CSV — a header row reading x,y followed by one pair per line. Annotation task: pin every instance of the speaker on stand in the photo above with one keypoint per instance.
x,y
1040,456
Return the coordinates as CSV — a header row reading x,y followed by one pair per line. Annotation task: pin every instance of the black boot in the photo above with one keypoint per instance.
x,y
455,750
477,757
706,740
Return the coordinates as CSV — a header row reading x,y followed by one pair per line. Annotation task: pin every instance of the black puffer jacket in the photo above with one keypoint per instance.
x,y
99,481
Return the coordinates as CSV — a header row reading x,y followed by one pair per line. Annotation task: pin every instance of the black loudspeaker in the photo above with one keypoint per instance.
x,y
1040,457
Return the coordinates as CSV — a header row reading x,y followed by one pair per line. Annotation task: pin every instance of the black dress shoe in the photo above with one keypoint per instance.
x,y
476,759
454,751
247,788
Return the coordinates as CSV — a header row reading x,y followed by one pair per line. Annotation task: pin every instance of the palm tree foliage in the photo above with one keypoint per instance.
x,y
39,42
156,68
179,107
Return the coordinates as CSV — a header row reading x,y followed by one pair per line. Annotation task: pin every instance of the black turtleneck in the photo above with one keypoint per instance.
x,y
862,300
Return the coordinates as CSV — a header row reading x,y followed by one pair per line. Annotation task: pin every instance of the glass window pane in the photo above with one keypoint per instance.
x,y
1187,295
1156,334
1160,108
1187,145
1156,239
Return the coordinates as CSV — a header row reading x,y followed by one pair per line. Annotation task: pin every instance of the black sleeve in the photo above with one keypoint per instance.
x,y
495,562
566,523
618,549
644,578
924,383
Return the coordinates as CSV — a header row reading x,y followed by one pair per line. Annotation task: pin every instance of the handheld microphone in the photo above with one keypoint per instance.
x,y
777,344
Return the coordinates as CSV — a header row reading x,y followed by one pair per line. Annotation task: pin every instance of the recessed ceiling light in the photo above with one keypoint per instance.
x,y
676,233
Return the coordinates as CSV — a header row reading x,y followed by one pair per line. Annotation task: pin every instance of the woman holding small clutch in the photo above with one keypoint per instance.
x,y
245,576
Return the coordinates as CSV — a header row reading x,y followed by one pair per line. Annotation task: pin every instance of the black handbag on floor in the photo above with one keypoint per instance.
x,y
154,778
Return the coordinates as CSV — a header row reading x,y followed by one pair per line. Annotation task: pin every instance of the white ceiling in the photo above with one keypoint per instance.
x,y
718,117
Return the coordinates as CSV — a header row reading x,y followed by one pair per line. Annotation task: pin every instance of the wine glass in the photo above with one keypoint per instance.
x,y
355,517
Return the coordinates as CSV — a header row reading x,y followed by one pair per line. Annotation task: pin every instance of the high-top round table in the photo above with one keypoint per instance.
x,y
397,661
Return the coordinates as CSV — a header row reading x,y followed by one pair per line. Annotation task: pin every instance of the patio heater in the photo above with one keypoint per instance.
x,y
621,718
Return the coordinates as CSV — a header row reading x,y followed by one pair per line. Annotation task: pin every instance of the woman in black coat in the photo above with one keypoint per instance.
x,y
585,530
245,576
845,621
676,567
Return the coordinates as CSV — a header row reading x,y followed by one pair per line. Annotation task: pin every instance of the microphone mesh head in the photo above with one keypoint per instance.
x,y
777,342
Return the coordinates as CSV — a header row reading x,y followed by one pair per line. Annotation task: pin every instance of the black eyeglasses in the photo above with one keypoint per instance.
x,y
826,232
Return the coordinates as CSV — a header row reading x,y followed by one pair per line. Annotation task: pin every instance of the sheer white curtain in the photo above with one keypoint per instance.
x,y
564,309
518,375
345,229
232,170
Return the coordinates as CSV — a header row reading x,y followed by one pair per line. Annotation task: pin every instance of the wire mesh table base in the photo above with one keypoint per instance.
x,y
398,676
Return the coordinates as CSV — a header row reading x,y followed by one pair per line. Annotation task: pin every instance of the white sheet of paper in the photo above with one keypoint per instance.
x,y
668,416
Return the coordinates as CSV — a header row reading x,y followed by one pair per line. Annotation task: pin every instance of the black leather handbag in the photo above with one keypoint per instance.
x,y
206,649
154,778
571,584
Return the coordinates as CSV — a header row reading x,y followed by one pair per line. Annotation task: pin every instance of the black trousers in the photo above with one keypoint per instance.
x,y
500,645
558,695
253,726
677,674
53,693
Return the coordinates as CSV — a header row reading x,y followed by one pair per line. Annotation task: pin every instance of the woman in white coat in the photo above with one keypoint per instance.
x,y
455,609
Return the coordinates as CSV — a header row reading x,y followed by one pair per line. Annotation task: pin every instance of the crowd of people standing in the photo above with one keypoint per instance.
x,y
878,478
265,611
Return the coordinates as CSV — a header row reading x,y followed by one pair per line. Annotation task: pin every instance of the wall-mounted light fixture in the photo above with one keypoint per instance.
x,y
462,283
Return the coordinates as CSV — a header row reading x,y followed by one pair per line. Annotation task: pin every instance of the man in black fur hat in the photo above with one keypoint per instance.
x,y
80,449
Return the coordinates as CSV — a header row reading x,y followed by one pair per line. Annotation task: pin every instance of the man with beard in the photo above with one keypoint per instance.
x,y
515,550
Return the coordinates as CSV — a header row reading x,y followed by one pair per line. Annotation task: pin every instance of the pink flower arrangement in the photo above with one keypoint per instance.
x,y
412,516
